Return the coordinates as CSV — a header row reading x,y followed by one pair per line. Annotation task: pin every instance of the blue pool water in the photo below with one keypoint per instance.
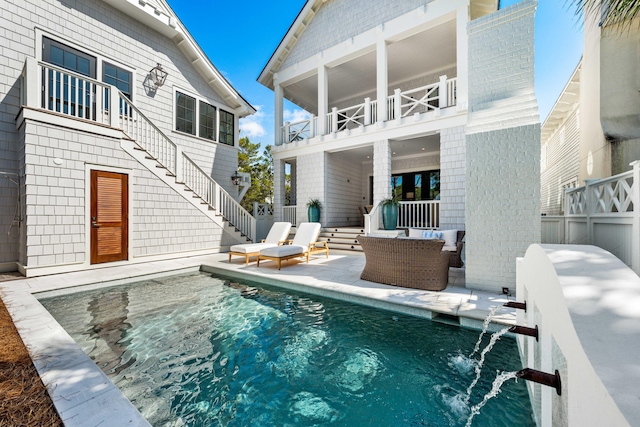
x,y
190,350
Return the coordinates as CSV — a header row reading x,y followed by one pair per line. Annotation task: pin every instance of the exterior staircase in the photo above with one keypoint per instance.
x,y
342,238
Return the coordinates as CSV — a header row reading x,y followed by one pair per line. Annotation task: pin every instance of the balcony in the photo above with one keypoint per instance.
x,y
422,103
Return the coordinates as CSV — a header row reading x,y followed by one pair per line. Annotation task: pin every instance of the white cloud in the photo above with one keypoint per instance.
x,y
252,126
295,115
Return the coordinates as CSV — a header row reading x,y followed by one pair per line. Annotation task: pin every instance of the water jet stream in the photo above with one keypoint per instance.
x,y
485,326
494,338
501,378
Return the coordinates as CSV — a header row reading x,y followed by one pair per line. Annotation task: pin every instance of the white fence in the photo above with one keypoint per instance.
x,y
602,213
289,214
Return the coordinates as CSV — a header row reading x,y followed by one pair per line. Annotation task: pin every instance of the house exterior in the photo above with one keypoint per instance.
x,y
119,138
428,101
560,153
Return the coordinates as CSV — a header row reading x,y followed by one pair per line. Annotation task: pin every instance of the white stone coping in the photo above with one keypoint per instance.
x,y
588,302
83,395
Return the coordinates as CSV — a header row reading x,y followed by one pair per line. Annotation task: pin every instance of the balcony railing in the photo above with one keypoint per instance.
x,y
401,104
289,214
420,214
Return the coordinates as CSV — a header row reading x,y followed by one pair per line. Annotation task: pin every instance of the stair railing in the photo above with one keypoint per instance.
x,y
139,128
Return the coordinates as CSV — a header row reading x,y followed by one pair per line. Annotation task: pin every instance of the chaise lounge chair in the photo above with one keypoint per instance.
x,y
304,244
277,235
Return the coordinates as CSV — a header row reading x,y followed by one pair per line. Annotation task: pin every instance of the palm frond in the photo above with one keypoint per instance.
x,y
609,11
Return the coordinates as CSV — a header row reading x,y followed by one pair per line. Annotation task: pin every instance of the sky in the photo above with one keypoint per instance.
x,y
240,36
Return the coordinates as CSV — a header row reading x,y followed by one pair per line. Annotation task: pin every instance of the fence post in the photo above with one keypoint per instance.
x,y
590,207
312,126
442,93
397,105
287,134
635,196
334,120
114,109
32,85
367,111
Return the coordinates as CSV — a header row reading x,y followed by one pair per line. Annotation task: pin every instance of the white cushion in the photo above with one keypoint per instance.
x,y
306,234
248,248
450,248
415,233
284,250
279,232
450,237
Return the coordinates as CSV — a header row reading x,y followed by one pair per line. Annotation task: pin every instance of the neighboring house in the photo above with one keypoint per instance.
x,y
560,140
430,101
119,138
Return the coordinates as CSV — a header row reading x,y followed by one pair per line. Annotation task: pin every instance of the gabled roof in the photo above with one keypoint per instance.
x,y
308,12
566,103
158,15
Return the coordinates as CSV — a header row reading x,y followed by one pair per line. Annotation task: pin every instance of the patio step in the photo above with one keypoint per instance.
x,y
342,238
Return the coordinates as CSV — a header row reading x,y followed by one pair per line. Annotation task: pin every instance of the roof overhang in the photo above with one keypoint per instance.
x,y
478,8
158,15
566,103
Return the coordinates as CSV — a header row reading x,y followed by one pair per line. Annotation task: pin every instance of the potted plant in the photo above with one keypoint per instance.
x,y
389,213
313,210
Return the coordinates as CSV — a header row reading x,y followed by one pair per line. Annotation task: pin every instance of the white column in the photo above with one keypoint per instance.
x,y
323,99
381,170
278,188
635,196
382,80
462,59
278,110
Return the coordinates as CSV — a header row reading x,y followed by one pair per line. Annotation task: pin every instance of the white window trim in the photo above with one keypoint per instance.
x,y
40,33
215,104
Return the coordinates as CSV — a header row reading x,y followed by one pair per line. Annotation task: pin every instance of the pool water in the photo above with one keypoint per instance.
x,y
190,350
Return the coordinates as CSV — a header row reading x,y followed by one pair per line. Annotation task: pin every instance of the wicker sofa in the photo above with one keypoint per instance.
x,y
406,262
455,249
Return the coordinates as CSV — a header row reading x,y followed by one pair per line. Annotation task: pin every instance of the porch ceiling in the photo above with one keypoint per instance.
x,y
399,148
427,52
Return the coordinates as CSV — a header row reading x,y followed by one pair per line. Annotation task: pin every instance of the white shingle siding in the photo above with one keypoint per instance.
x,y
502,147
452,178
311,172
343,184
338,20
54,206
562,165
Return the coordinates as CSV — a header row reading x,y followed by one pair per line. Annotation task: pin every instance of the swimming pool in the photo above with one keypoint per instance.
x,y
188,350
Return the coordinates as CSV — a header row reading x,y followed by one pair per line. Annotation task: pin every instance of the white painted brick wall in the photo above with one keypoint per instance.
x,y
337,20
452,178
502,147
381,170
113,36
310,174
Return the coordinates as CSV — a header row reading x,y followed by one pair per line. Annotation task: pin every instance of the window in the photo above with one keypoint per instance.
x,y
412,186
67,57
207,121
226,128
185,113
117,77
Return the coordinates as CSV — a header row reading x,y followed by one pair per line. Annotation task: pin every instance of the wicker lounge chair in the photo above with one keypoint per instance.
x,y
406,262
277,235
304,244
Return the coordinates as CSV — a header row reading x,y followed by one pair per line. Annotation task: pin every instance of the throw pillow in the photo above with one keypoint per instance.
x,y
431,235
450,237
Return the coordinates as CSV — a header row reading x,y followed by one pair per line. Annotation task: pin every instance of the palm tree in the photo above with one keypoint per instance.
x,y
612,11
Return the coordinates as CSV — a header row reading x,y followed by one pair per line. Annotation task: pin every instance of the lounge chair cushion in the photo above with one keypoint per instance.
x,y
306,234
249,248
278,233
284,250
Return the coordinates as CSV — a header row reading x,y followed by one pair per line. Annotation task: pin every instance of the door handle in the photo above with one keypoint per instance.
x,y
95,225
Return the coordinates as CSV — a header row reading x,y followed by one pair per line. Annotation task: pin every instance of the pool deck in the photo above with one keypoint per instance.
x,y
83,394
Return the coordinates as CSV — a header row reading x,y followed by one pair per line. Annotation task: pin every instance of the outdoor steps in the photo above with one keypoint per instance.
x,y
342,238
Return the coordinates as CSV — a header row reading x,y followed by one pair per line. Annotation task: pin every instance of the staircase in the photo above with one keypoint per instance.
x,y
342,238
162,157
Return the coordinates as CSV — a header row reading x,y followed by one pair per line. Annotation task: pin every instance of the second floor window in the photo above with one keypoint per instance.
x,y
226,127
207,121
185,113
117,77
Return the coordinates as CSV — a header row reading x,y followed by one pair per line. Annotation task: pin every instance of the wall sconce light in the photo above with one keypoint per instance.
x,y
158,75
235,178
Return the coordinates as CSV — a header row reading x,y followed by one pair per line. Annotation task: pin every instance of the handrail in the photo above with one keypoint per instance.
x,y
372,220
289,214
419,214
